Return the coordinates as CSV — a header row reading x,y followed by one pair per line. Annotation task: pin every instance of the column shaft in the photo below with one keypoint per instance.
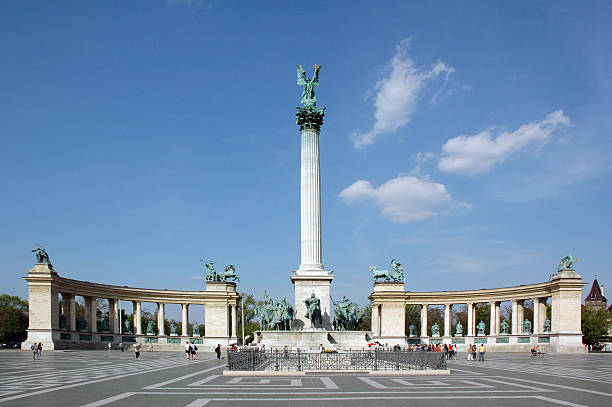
x,y
493,318
497,318
424,321
470,315
375,320
185,320
72,311
90,314
161,327
136,308
536,316
310,202
234,327
515,320
447,320
521,316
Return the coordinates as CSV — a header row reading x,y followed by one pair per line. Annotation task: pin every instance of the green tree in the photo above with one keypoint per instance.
x,y
483,313
594,324
250,322
459,314
413,317
435,315
13,318
366,320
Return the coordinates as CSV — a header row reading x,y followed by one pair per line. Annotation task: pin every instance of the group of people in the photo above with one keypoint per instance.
x,y
37,349
190,350
450,351
474,350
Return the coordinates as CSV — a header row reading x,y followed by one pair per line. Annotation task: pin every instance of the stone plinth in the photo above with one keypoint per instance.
x,y
388,312
311,339
304,286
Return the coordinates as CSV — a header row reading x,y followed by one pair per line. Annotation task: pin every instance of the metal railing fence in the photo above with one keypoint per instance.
x,y
278,360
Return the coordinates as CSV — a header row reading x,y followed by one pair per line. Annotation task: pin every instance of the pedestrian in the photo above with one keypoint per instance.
x,y
34,348
109,346
218,351
194,348
474,352
121,346
286,350
481,352
40,348
187,350
137,350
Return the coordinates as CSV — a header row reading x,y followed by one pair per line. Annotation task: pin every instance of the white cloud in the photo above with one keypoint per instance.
x,y
480,153
398,93
405,198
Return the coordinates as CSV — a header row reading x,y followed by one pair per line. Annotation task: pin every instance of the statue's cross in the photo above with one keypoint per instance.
x,y
315,66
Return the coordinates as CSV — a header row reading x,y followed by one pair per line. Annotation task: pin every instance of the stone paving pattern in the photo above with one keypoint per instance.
x,y
115,379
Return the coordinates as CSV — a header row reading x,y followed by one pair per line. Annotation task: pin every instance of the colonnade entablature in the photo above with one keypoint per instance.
x,y
559,332
59,329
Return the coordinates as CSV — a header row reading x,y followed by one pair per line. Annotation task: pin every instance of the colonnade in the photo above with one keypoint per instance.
x,y
561,332
220,301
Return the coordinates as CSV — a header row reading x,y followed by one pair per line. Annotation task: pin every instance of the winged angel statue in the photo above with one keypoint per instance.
x,y
308,95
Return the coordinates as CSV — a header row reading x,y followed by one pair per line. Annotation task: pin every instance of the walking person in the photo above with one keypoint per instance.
x,y
218,351
481,352
137,350
109,346
194,348
34,348
40,348
187,350
121,346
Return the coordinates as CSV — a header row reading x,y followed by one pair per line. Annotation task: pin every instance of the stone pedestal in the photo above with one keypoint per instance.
x,y
388,312
304,286
221,323
43,307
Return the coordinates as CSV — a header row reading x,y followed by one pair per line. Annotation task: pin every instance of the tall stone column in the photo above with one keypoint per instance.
x,y
521,316
185,320
424,320
161,327
470,315
136,312
311,277
515,319
536,316
90,314
493,319
447,320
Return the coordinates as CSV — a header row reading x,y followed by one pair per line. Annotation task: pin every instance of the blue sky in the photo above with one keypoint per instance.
x,y
470,141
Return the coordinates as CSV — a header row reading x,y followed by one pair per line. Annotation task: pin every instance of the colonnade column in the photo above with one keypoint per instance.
x,y
161,328
185,320
375,320
520,316
234,327
424,320
515,330
136,305
113,315
542,311
90,314
69,311
447,320
536,316
493,318
470,315
497,317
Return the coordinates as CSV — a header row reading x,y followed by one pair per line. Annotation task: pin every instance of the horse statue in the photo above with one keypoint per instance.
x,y
212,273
265,313
567,263
230,272
283,316
395,274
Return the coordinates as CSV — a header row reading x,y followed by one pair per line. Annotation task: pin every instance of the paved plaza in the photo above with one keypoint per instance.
x,y
102,378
